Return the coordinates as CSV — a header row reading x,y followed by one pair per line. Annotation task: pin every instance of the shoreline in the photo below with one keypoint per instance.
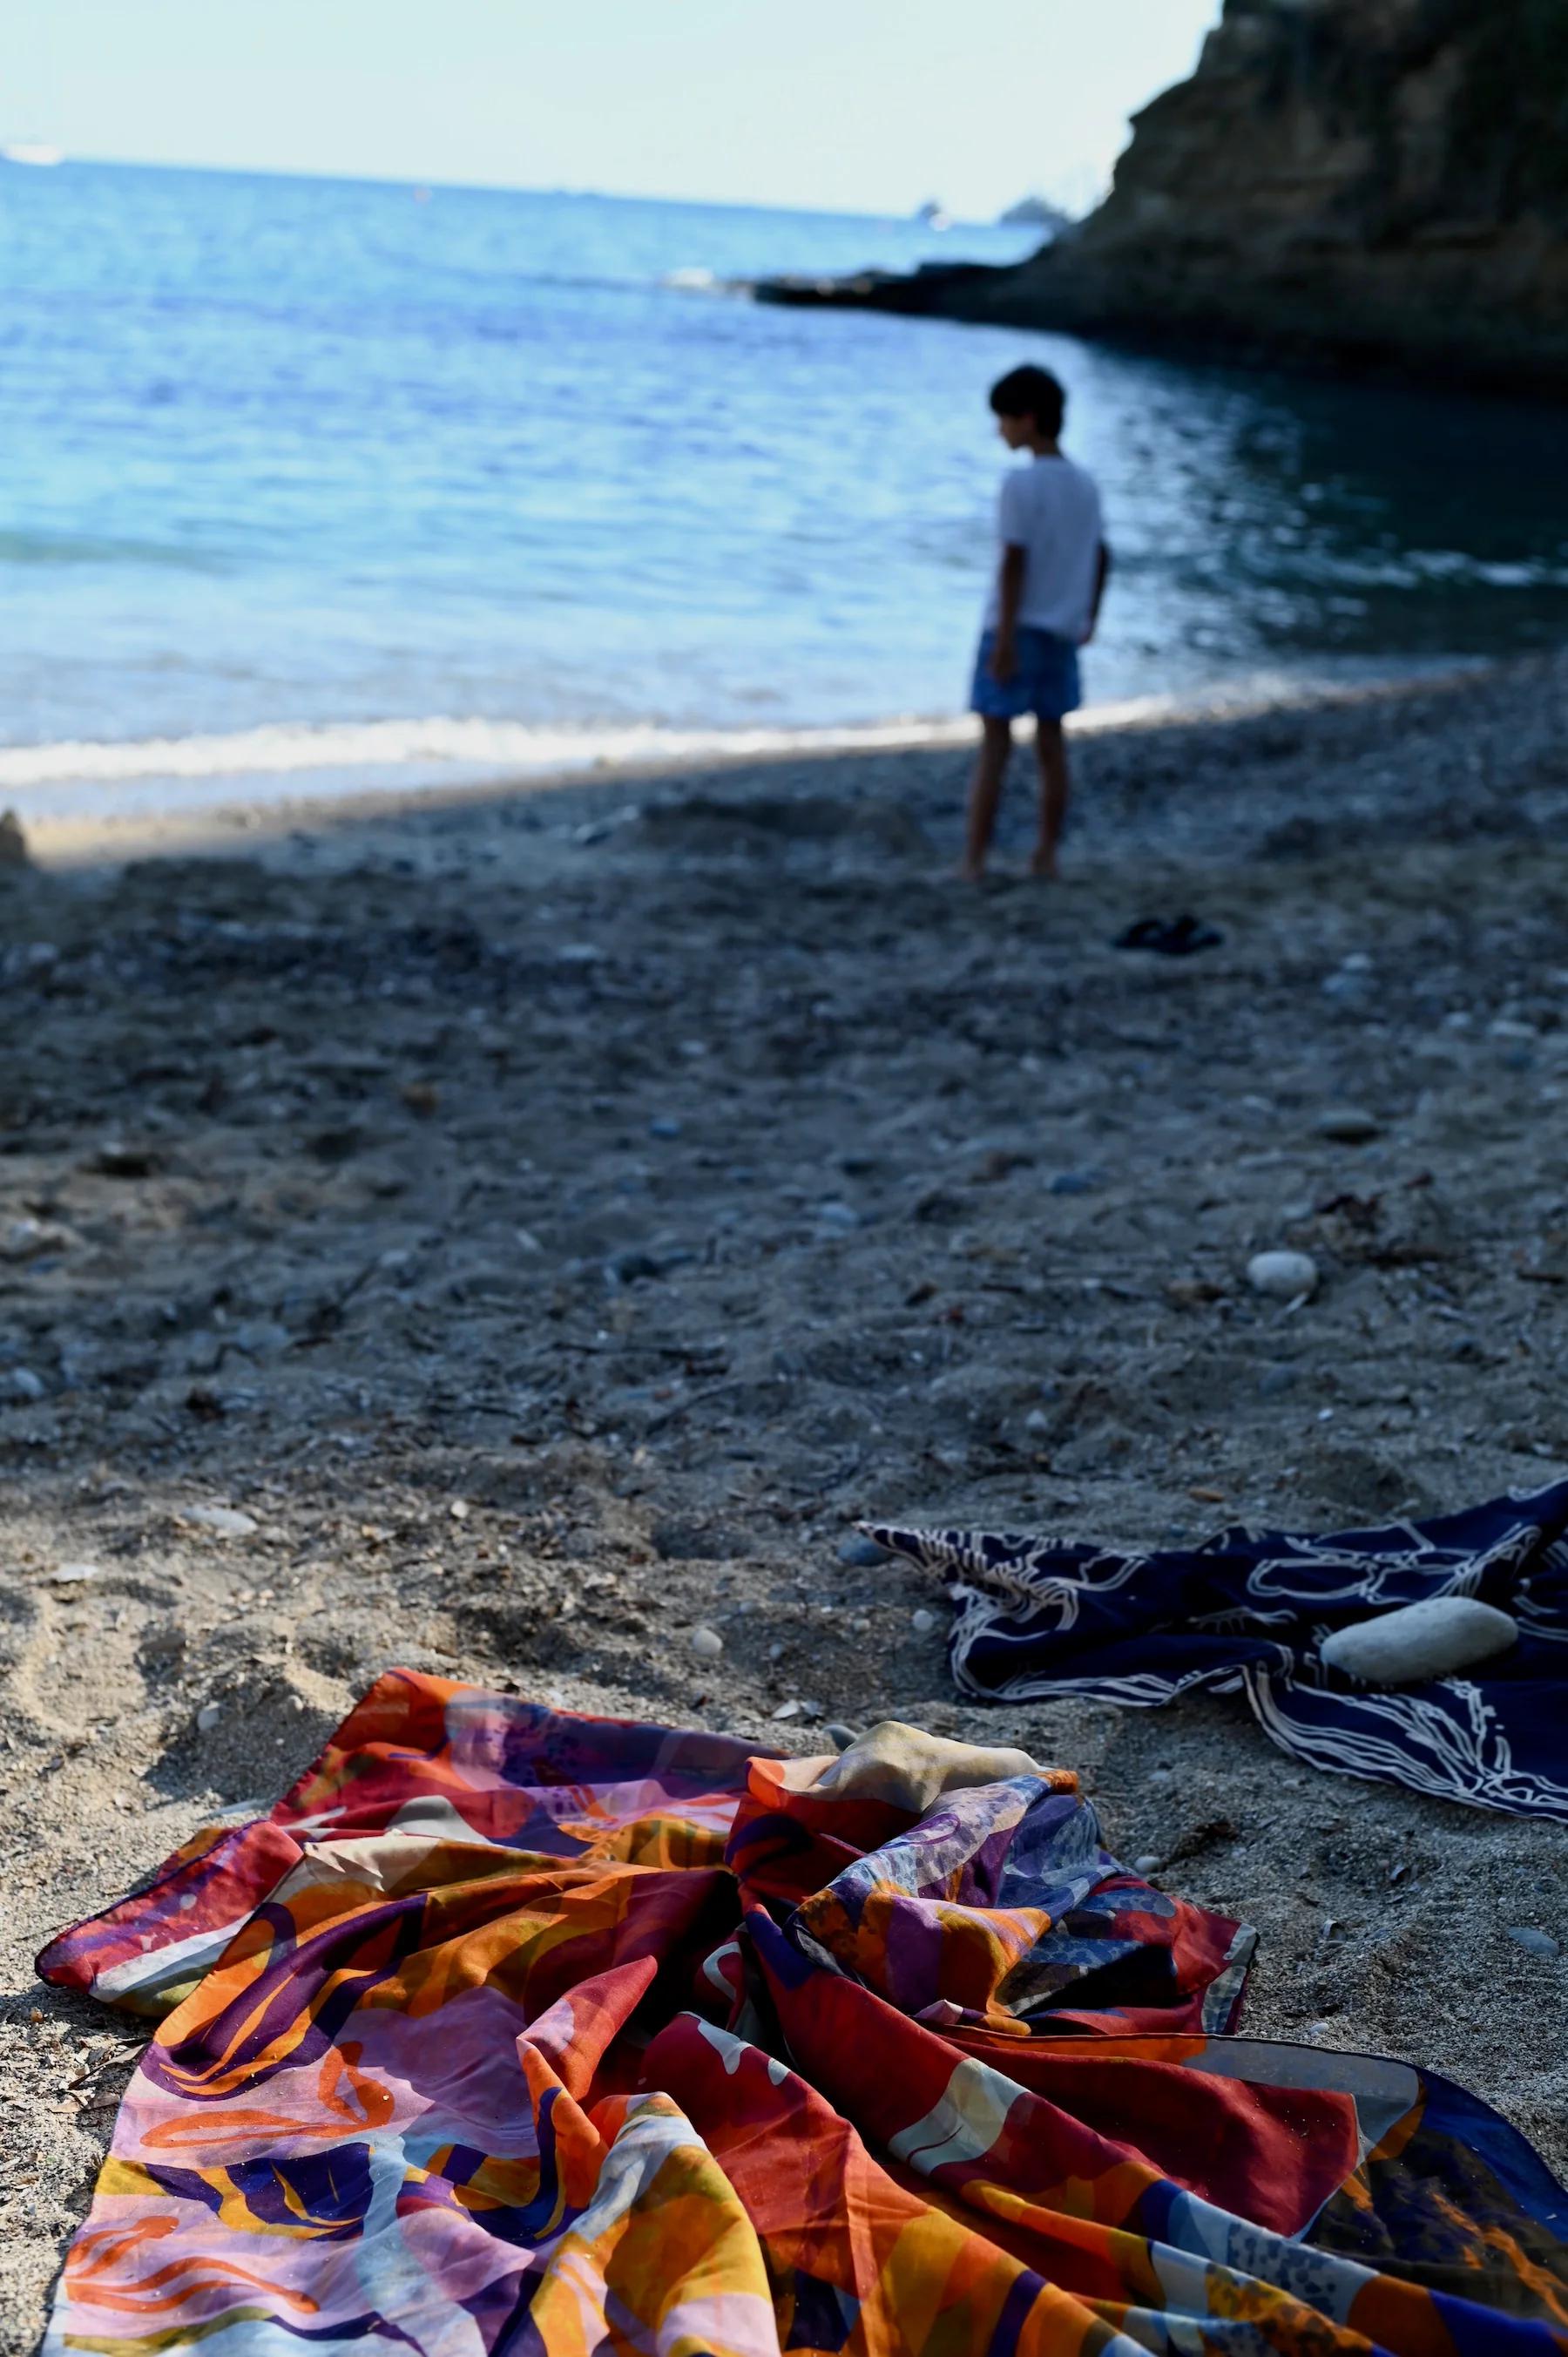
x,y
551,1222
200,800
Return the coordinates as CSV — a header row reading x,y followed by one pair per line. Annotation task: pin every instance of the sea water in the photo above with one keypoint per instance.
x,y
309,483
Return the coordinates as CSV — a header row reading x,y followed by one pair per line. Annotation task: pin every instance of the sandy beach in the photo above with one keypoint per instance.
x,y
541,1221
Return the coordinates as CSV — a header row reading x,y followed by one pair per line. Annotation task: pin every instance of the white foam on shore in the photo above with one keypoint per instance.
x,y
106,778
93,778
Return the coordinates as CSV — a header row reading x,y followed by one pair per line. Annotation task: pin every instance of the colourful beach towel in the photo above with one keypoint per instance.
x,y
509,2032
1248,1612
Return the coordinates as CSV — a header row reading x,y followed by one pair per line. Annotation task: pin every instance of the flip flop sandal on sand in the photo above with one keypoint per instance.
x,y
1187,934
1179,939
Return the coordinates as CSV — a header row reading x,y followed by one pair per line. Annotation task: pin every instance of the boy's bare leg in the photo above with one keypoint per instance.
x,y
985,795
1055,789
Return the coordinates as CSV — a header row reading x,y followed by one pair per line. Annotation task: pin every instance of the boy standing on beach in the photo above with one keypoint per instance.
x,y
1043,605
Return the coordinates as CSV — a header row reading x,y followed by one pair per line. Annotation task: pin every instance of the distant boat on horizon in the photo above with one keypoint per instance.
x,y
933,215
37,152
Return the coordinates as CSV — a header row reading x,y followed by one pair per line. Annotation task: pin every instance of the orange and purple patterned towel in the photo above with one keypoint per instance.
x,y
515,2034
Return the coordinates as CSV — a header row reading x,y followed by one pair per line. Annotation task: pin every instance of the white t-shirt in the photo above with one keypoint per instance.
x,y
1051,509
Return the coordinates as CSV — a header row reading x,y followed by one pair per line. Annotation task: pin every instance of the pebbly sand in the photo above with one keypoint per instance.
x,y
549,1219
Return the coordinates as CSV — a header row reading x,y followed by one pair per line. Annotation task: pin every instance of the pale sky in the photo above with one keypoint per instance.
x,y
868,105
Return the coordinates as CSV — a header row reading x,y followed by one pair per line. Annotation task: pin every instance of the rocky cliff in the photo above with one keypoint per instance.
x,y
1360,182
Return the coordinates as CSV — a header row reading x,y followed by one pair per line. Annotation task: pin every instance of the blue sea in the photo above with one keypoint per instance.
x,y
311,483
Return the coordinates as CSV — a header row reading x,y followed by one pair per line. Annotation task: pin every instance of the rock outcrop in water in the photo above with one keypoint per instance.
x,y
1364,182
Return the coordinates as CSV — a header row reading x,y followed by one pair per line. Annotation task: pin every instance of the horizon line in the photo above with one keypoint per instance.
x,y
416,180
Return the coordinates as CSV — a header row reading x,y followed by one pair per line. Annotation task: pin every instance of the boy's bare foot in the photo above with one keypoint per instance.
x,y
971,871
1044,866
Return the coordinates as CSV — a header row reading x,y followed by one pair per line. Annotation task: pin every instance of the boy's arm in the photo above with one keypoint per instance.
x,y
1005,653
1101,576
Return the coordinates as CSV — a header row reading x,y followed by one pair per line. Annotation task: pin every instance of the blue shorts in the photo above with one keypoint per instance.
x,y
1044,679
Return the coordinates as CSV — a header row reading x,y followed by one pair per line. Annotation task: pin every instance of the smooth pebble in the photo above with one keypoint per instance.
x,y
707,1644
1283,1275
1348,1125
26,1239
223,1522
1420,1641
837,1215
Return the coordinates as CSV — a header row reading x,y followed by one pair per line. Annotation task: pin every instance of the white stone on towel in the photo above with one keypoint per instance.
x,y
1420,1641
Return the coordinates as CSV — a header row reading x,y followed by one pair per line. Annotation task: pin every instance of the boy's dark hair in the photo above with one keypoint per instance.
x,y
1030,392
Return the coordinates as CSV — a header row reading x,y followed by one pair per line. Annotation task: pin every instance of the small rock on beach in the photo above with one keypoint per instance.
x,y
28,1239
1283,1275
1348,1126
223,1522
